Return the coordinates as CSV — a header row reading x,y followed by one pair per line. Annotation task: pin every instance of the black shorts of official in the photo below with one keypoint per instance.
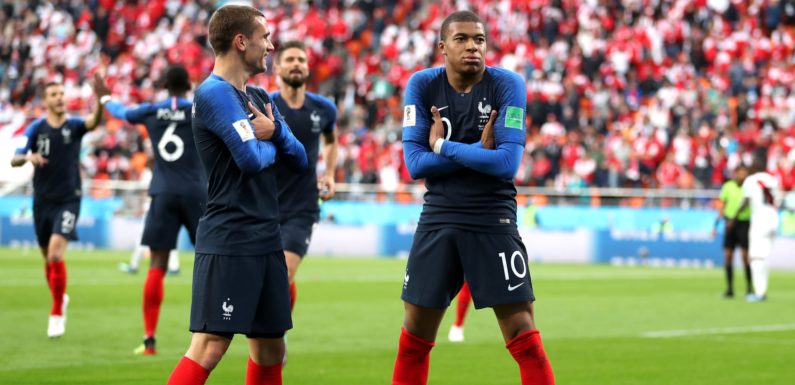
x,y
494,265
167,213
241,295
737,236
55,218
296,232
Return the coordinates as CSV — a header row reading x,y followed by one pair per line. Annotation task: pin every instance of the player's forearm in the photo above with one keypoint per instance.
x,y
503,162
93,120
330,151
19,160
423,163
116,109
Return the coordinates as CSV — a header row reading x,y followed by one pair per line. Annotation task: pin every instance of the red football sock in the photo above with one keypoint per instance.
x,y
153,297
413,360
57,286
293,295
188,372
263,375
464,298
534,365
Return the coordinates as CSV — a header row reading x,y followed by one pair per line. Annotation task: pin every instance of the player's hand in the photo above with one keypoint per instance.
x,y
99,85
263,124
36,160
487,137
326,188
729,224
437,128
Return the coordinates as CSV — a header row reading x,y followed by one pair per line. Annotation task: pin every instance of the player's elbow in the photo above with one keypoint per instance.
x,y
506,174
250,166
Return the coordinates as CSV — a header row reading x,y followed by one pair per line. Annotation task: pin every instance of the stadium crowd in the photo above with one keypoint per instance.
x,y
643,93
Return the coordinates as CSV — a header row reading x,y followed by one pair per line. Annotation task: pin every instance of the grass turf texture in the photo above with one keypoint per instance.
x,y
348,315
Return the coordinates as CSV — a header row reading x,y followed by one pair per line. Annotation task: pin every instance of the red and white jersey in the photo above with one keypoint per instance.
x,y
764,195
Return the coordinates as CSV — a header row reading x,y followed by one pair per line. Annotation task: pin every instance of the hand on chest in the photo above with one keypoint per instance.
x,y
464,115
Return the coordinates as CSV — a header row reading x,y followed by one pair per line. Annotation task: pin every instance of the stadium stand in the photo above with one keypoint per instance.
x,y
671,94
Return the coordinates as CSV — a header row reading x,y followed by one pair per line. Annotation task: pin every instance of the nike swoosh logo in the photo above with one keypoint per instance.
x,y
512,288
439,109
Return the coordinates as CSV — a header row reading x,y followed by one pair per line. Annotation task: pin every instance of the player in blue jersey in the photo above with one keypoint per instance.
x,y
52,145
464,133
309,116
178,187
240,275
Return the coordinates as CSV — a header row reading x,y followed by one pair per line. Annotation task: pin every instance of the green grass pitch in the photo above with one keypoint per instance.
x,y
595,322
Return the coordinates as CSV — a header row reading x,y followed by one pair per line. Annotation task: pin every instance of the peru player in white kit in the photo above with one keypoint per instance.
x,y
762,193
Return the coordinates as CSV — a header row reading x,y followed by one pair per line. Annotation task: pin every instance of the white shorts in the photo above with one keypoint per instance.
x,y
760,245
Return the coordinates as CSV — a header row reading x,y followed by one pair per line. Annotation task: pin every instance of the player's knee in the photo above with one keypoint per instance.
x,y
211,355
54,257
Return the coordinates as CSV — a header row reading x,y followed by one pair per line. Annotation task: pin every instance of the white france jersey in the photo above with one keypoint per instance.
x,y
762,191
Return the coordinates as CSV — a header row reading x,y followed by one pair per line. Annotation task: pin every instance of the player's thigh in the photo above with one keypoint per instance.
x,y
296,232
433,271
43,215
162,224
496,268
60,219
273,316
760,245
191,208
226,292
293,260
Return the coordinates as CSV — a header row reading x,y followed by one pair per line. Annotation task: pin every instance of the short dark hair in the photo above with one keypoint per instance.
x,y
176,79
228,21
287,45
459,17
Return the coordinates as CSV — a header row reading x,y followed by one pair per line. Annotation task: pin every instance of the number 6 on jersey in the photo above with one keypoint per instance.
x,y
170,137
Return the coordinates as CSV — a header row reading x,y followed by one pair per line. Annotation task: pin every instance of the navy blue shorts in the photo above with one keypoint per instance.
x,y
167,213
241,295
494,265
296,232
55,218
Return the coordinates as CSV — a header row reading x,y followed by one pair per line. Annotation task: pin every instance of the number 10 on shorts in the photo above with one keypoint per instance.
x,y
518,271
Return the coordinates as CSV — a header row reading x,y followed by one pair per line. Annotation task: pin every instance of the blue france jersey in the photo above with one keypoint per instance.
x,y
298,191
177,167
468,187
59,179
241,216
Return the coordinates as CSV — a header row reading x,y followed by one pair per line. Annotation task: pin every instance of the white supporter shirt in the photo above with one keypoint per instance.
x,y
762,191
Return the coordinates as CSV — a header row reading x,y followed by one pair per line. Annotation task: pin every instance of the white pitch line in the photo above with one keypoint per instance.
x,y
712,331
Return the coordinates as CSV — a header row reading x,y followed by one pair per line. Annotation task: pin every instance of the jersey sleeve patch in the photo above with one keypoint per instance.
x,y
244,129
410,115
514,117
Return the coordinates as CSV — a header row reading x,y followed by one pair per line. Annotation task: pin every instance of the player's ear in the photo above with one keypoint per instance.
x,y
240,41
441,48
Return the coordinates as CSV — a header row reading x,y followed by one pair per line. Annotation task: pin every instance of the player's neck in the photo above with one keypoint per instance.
x,y
55,120
233,72
463,82
294,97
